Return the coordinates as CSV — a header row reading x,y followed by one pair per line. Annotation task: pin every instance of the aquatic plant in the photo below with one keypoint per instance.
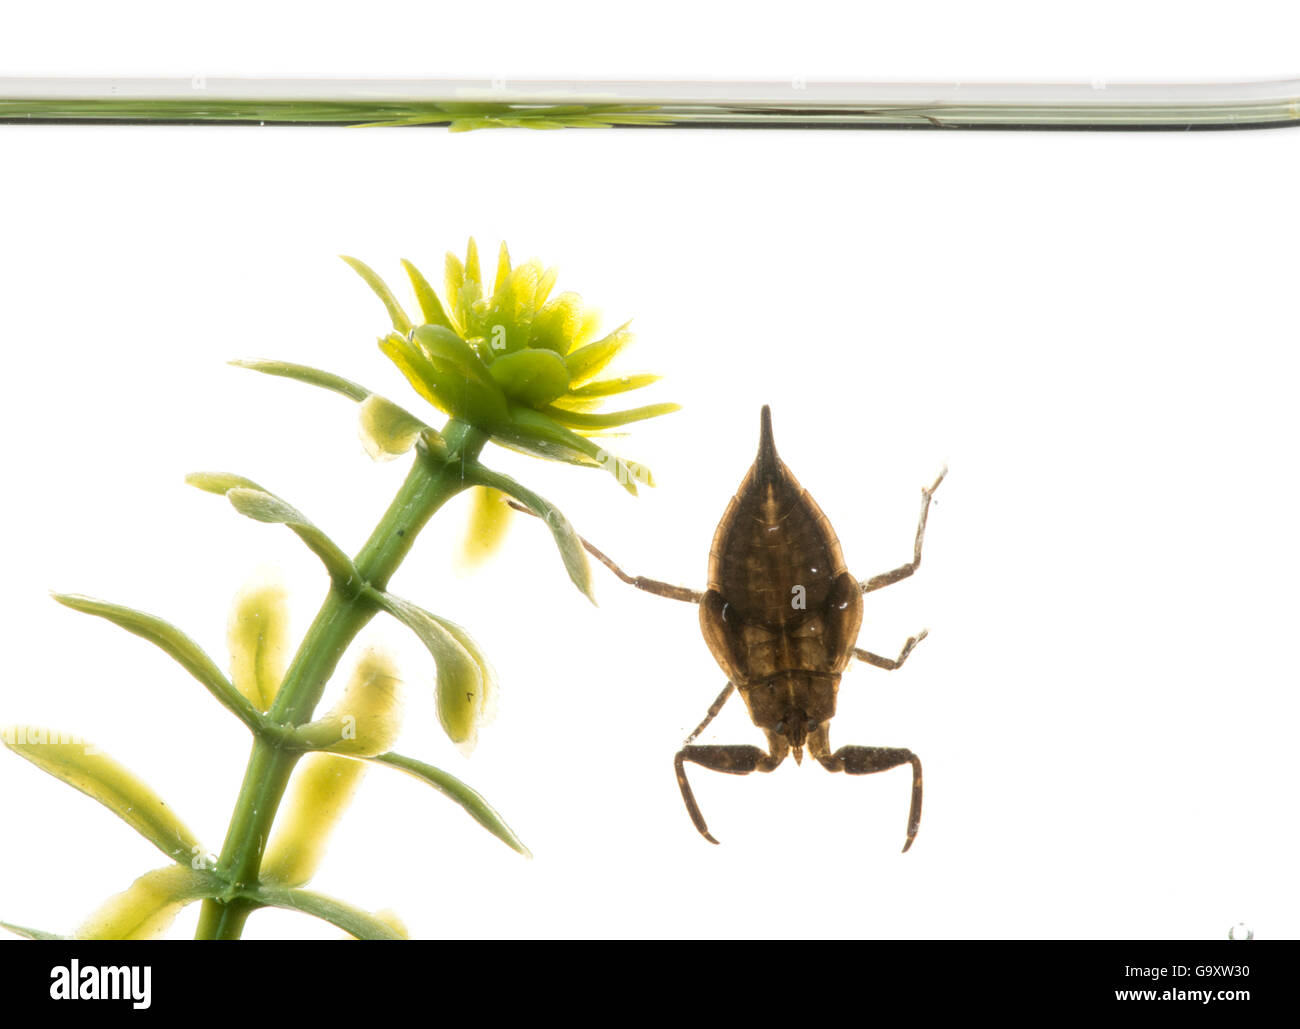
x,y
512,366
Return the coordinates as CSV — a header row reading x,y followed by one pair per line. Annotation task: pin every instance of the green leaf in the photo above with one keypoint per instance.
x,y
568,542
368,718
538,433
489,519
31,934
267,507
311,376
319,793
219,483
147,908
351,920
384,425
466,682
473,803
95,774
257,636
250,500
388,431
175,644
400,321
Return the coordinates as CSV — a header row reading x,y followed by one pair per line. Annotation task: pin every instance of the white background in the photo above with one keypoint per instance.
x,y
1096,332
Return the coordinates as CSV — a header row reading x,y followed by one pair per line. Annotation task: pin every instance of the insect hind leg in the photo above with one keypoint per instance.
x,y
735,759
866,760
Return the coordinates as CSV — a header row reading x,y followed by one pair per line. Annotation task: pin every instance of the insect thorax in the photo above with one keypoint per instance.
x,y
792,703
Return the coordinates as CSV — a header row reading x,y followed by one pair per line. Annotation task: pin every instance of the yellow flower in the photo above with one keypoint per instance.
x,y
517,363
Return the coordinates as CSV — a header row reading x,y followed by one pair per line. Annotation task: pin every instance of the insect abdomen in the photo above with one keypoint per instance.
x,y
779,597
775,556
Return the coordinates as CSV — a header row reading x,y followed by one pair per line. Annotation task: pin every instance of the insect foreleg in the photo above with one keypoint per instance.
x,y
660,589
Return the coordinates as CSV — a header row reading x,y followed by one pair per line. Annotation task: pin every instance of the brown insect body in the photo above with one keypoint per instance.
x,y
781,616
782,613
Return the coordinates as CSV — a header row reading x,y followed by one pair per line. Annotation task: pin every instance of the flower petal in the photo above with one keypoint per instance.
x,y
399,318
446,371
503,268
532,377
472,273
610,387
587,362
545,283
556,325
454,283
610,419
430,305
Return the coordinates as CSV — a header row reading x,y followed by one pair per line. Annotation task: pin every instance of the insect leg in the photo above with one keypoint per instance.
x,y
890,664
865,761
903,571
714,708
661,589
737,759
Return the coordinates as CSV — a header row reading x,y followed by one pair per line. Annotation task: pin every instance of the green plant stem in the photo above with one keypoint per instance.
x,y
430,484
